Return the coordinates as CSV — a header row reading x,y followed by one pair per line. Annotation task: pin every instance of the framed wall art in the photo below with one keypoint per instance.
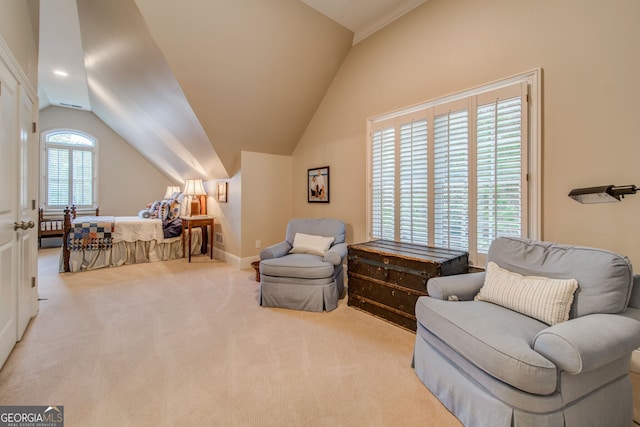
x,y
318,185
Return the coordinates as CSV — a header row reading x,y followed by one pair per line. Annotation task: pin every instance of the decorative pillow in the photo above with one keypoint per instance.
x,y
308,244
153,210
544,299
164,209
174,209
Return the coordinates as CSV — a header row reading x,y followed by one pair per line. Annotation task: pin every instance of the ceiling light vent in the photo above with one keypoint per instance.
x,y
64,104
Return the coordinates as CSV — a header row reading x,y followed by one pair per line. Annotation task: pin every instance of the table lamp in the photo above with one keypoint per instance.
x,y
194,189
170,190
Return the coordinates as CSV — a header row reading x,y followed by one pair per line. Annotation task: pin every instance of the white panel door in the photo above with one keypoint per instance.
x,y
27,239
8,210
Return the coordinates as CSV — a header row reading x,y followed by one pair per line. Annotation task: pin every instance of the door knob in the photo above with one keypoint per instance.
x,y
23,225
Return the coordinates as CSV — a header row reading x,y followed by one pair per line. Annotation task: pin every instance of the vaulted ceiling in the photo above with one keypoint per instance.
x,y
191,84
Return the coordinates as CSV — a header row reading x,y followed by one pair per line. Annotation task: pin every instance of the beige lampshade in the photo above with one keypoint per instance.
x,y
194,187
170,190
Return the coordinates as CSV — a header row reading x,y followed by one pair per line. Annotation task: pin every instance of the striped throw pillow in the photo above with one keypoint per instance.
x,y
544,299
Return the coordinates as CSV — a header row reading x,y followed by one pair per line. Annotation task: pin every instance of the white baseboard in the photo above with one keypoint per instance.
x,y
233,260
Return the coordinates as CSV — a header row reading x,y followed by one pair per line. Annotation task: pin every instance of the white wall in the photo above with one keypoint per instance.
x,y
227,218
17,19
258,207
266,200
591,62
127,181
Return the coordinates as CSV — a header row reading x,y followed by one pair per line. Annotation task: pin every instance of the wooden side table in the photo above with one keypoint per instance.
x,y
188,222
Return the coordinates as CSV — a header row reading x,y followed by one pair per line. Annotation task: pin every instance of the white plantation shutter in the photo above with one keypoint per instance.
x,y
453,173
383,186
70,169
499,170
413,190
451,180
58,177
82,178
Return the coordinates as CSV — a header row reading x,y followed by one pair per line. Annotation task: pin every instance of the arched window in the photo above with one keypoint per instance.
x,y
69,169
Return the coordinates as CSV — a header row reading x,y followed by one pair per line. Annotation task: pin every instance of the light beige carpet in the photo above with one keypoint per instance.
x,y
178,344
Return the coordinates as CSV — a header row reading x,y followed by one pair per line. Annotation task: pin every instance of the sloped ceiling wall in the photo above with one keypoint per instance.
x,y
191,84
132,90
254,71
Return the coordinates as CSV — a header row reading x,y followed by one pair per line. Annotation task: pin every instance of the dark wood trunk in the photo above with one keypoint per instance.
x,y
386,278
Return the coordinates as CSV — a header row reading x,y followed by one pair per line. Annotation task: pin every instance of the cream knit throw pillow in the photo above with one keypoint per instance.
x,y
544,299
309,244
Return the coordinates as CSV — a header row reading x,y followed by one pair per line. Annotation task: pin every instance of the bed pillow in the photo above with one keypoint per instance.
x,y
544,299
309,244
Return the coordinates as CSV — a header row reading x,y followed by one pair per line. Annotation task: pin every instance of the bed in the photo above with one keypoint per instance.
x,y
51,226
92,242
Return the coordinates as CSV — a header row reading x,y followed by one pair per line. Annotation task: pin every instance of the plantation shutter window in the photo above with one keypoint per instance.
x,y
383,185
501,185
58,177
413,194
70,170
82,178
451,179
452,173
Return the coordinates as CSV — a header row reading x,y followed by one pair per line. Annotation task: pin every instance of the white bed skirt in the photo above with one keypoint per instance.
x,y
131,253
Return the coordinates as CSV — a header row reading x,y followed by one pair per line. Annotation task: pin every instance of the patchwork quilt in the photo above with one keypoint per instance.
x,y
91,232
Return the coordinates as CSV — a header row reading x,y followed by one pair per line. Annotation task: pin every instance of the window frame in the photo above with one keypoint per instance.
x,y
45,145
533,152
